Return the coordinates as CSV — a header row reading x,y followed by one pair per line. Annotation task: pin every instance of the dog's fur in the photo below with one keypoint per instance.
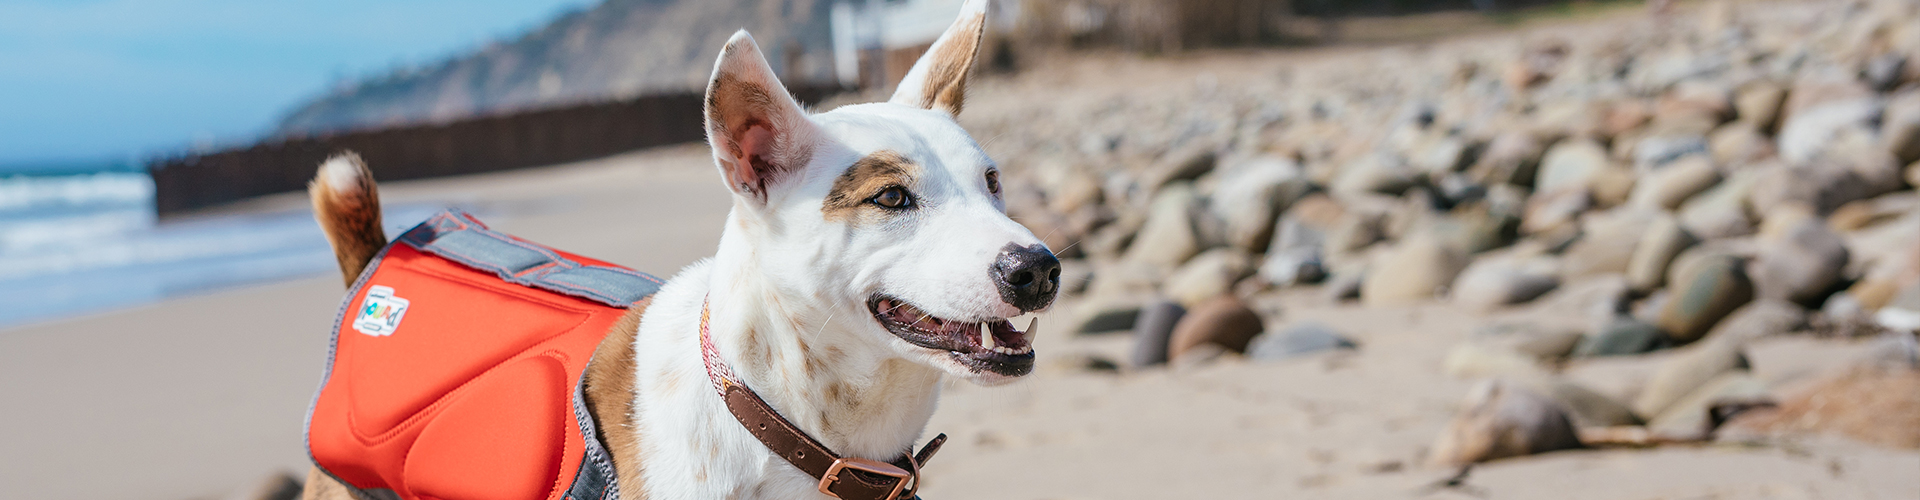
x,y
806,253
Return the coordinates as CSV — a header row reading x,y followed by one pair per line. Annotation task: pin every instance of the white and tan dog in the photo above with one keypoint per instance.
x,y
867,256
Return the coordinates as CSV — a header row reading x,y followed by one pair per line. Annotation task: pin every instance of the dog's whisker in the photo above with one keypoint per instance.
x,y
1056,253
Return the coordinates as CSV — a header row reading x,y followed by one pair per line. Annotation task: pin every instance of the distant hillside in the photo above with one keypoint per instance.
x,y
620,48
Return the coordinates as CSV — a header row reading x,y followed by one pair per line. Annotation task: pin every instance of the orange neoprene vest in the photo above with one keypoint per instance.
x,y
456,365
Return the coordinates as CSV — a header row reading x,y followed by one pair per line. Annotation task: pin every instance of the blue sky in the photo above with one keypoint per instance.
x,y
124,79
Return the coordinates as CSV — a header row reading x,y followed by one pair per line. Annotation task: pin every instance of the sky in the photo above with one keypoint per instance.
x,y
122,80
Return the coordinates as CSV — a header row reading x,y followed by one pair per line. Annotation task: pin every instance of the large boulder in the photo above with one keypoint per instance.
x,y
1571,163
1606,242
1669,186
1704,291
1683,374
1664,240
1759,319
1758,103
1490,283
1547,212
1900,128
1295,256
1250,194
1826,183
1691,417
1502,419
1153,332
1621,337
1374,174
1182,164
1587,407
1739,144
1417,269
1802,266
1223,321
1723,211
1208,275
1511,157
1169,236
1298,340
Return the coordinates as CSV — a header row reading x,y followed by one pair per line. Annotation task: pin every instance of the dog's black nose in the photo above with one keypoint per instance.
x,y
1028,276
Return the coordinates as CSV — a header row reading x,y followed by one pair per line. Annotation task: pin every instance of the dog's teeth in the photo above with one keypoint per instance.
x,y
1033,326
986,336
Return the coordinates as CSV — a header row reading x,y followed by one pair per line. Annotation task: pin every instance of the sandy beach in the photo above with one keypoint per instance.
x,y
199,397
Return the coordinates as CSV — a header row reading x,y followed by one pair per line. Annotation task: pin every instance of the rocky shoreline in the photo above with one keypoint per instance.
x,y
1671,188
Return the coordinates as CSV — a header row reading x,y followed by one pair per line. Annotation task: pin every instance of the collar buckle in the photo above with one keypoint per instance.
x,y
874,467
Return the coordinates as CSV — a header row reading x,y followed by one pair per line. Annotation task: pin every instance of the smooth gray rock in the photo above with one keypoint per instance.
x,y
1671,185
1721,212
1151,333
1223,321
1417,269
1664,240
1759,319
1687,372
1250,194
1169,236
1606,242
1501,419
1210,274
1512,157
1690,417
1548,345
1621,337
1490,283
1704,291
1587,407
1801,266
1808,133
1295,255
1298,340
1571,163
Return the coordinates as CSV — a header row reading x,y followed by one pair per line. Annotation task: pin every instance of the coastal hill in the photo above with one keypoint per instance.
x,y
617,49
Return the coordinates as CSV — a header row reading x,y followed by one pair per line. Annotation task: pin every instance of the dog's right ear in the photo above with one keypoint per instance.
x,y
760,136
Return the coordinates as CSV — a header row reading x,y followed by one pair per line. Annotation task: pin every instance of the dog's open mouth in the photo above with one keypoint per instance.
x,y
985,345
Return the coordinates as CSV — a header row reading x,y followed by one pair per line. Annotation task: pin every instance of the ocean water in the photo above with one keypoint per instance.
x,y
77,243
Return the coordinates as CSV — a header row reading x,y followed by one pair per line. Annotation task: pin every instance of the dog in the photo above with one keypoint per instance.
x,y
867,256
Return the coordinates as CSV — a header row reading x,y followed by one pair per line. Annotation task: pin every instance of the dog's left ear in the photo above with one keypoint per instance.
x,y
760,135
939,79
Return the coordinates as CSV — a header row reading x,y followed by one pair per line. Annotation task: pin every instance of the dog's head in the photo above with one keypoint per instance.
x,y
889,212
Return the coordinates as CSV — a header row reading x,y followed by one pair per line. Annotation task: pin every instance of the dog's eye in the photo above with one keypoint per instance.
x,y
894,197
993,181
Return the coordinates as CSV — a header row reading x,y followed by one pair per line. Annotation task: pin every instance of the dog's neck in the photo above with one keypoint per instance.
x,y
810,358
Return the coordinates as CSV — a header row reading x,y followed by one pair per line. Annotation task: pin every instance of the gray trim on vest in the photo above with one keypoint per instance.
x,y
596,479
459,237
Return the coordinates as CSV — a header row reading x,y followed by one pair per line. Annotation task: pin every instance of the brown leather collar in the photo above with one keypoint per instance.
x,y
843,477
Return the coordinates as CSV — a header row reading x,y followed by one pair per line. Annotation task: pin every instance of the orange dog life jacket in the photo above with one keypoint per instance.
x,y
456,366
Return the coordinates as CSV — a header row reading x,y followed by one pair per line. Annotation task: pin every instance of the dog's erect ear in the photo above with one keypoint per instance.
x,y
760,136
939,79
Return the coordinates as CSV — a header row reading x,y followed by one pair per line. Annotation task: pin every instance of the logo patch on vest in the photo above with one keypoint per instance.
x,y
380,314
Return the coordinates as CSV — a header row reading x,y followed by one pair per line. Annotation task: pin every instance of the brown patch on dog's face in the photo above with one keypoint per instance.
x,y
847,202
946,84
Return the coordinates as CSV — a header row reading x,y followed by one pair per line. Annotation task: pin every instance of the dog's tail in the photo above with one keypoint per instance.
x,y
347,204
